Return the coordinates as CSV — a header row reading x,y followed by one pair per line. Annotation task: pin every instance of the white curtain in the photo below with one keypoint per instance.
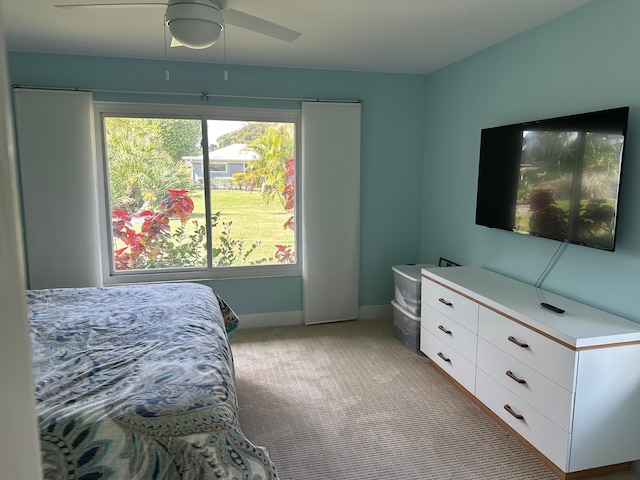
x,y
330,211
58,169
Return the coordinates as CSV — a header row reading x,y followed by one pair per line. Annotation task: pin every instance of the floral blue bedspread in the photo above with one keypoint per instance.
x,y
137,382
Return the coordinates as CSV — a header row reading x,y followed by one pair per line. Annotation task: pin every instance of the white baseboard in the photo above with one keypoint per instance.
x,y
284,319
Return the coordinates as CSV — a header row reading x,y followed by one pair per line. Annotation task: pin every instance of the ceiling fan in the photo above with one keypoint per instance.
x,y
199,23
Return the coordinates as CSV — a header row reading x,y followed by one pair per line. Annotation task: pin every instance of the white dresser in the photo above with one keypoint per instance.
x,y
567,385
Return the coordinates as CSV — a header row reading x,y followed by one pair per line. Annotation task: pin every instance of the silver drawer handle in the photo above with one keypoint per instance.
x,y
444,329
441,355
445,301
511,375
518,342
510,410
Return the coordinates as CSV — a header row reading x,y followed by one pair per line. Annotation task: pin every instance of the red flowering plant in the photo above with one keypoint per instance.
x,y
284,253
177,203
156,245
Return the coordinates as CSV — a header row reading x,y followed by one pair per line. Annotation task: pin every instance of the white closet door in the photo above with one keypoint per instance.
x,y
59,183
330,211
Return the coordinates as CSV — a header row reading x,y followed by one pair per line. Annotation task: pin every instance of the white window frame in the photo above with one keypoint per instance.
x,y
110,109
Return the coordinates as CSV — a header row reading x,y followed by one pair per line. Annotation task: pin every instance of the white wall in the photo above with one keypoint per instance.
x,y
19,453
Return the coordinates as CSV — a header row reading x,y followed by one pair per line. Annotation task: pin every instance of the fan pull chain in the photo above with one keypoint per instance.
x,y
166,69
225,76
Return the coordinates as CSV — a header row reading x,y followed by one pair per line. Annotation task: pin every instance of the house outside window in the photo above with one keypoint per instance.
x,y
194,193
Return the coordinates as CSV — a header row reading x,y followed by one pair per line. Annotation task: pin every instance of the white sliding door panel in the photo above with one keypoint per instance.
x,y
330,211
59,187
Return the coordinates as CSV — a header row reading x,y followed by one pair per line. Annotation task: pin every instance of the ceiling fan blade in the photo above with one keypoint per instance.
x,y
113,5
259,25
227,4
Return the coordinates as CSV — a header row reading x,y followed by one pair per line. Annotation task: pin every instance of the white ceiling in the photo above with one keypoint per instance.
x,y
401,36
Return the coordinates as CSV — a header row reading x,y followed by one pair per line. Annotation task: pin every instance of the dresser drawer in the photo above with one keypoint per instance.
x,y
549,398
543,434
450,332
449,360
542,354
450,303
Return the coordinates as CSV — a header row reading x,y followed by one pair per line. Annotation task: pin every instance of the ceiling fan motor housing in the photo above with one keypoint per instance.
x,y
196,24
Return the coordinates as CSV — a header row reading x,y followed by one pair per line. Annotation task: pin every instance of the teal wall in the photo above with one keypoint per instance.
x,y
393,118
420,143
584,61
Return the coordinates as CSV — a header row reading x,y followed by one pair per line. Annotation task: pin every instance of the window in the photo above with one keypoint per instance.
x,y
218,168
198,193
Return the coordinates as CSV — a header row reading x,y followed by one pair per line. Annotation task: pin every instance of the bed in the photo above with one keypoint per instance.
x,y
137,382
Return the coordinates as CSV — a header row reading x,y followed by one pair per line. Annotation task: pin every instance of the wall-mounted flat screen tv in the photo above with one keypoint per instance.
x,y
557,178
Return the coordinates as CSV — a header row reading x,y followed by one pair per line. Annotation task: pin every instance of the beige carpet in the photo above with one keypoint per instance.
x,y
350,401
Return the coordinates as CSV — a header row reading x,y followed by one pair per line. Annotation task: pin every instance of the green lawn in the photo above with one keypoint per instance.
x,y
252,218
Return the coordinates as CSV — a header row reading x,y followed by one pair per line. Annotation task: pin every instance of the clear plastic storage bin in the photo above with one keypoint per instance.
x,y
408,282
406,327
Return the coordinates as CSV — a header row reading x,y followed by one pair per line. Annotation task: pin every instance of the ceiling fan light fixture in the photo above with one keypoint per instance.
x,y
194,24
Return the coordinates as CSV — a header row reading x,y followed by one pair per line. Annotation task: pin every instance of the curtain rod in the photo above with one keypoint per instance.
x,y
204,96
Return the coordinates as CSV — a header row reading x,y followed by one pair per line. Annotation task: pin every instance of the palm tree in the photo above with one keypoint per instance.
x,y
274,148
140,170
